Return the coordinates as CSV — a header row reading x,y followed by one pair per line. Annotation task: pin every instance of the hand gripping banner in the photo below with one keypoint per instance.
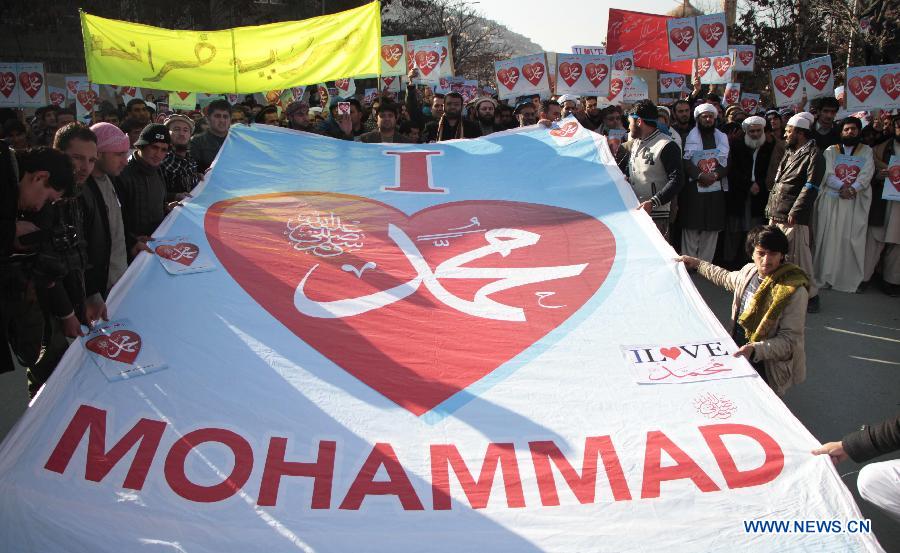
x,y
239,60
477,345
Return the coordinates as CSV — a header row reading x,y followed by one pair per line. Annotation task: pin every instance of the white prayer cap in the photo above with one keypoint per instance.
x,y
839,91
755,120
705,108
567,98
803,120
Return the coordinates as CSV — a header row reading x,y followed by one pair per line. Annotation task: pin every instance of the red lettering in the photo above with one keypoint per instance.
x,y
322,472
398,483
414,172
478,492
735,478
178,480
99,462
583,486
685,467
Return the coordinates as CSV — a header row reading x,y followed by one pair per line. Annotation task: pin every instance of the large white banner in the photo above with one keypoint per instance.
x,y
818,77
524,75
583,75
873,87
480,345
393,56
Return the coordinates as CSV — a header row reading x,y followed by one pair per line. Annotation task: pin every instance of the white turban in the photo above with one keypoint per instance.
x,y
755,120
803,120
705,108
567,98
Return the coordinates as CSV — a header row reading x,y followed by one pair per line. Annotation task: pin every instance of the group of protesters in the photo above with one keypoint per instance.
x,y
764,213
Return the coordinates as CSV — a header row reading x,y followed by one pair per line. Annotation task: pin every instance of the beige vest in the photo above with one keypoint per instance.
x,y
647,174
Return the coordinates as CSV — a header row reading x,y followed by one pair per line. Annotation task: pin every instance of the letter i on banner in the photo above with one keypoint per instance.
x,y
9,86
786,86
732,93
818,78
32,85
682,38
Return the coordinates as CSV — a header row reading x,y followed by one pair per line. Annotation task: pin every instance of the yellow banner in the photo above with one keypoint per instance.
x,y
234,61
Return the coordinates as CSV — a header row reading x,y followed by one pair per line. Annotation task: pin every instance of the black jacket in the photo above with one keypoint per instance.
x,y
204,148
790,195
740,167
142,191
470,130
95,219
871,441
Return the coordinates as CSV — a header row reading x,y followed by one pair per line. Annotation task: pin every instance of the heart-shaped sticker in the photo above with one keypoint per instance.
x,y
787,84
570,72
182,252
818,76
722,65
711,33
862,87
672,353
508,77
391,53
427,61
31,82
746,56
87,98
121,345
533,72
682,37
390,297
596,72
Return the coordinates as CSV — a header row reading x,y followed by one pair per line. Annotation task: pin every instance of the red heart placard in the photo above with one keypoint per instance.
x,y
57,98
386,296
7,83
183,95
182,252
679,82
391,53
666,82
624,64
846,173
87,99
121,345
596,72
508,77
682,37
342,84
615,87
749,104
533,72
701,66
890,83
711,33
427,61
566,130
894,176
722,65
570,72
862,87
787,84
707,165
31,82
746,56
732,96
818,76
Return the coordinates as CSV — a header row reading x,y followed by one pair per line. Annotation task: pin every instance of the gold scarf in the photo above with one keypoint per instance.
x,y
440,129
769,301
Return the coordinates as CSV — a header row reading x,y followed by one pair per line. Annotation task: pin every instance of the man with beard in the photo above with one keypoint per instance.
x,y
652,164
451,125
681,122
297,115
793,196
179,168
205,147
484,115
592,113
883,236
525,113
504,117
137,109
748,172
702,200
612,119
826,132
386,115
550,111
842,213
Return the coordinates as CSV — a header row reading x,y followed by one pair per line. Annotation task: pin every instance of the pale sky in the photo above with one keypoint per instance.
x,y
557,26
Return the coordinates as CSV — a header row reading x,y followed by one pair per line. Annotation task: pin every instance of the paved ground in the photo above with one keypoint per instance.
x,y
853,358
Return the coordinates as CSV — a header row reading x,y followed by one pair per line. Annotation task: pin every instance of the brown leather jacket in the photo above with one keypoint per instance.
x,y
795,189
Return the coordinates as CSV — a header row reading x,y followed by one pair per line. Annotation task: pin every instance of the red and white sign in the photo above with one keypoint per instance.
x,y
744,56
682,38
179,256
393,55
525,75
818,77
32,85
673,83
623,61
695,361
87,98
787,86
118,350
646,34
56,95
432,56
712,31
715,70
583,75
9,85
732,94
73,82
892,180
183,100
873,87
346,88
749,102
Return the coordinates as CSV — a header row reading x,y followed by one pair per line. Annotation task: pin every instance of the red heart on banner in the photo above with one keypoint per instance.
x,y
624,64
787,84
711,33
57,98
385,296
672,353
427,60
566,130
72,86
596,72
666,82
387,81
122,346
818,77
749,104
862,87
891,84
391,53
31,82
508,77
533,72
87,99
732,96
570,72
615,87
128,91
679,82
342,84
701,66
746,56
182,252
7,83
707,165
846,173
682,37
894,176
722,65
183,95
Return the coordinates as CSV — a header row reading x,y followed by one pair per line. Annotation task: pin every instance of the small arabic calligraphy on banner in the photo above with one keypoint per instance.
x,y
119,351
239,60
680,363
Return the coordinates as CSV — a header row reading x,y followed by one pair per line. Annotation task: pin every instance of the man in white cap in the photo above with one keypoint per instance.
x,y
748,172
793,195
179,168
701,203
569,103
